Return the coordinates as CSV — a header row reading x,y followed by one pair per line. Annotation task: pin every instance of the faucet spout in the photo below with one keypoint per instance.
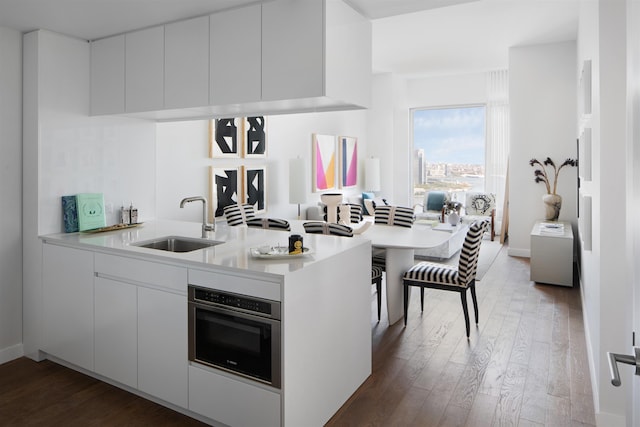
x,y
206,227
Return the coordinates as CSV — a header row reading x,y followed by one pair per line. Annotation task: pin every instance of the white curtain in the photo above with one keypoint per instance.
x,y
497,146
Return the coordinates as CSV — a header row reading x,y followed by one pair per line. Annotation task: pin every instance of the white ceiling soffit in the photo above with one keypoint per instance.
x,y
469,37
375,9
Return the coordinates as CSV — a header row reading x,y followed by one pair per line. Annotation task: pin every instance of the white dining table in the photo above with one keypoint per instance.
x,y
400,244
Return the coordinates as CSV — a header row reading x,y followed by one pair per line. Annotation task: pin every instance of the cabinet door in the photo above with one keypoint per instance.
x,y
186,63
162,345
116,335
67,293
107,76
292,49
144,70
236,56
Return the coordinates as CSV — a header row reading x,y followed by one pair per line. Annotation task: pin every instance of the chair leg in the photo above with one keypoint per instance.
x,y
475,300
379,292
421,298
463,297
406,302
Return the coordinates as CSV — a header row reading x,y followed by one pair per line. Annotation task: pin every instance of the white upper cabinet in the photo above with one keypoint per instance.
x,y
236,55
280,56
186,63
292,49
144,70
107,76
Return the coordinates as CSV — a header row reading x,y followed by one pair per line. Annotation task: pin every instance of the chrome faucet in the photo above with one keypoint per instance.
x,y
205,225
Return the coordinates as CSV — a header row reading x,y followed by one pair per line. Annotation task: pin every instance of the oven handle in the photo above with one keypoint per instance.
x,y
244,314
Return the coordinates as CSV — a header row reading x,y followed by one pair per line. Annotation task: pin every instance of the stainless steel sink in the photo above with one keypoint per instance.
x,y
177,244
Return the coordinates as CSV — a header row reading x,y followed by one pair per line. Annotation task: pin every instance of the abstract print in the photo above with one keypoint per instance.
x,y
255,188
324,162
225,188
255,136
224,138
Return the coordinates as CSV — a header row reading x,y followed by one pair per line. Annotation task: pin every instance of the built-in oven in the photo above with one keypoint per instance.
x,y
236,333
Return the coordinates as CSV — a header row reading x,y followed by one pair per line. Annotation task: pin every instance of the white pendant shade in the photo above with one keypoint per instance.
x,y
297,181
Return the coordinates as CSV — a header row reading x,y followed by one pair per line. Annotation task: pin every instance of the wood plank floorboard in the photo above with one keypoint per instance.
x,y
524,365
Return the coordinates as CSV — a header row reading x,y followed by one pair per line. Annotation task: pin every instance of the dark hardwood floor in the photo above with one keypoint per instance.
x,y
524,365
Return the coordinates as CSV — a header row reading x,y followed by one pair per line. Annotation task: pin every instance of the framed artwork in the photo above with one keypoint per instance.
x,y
348,164
323,162
584,155
254,186
224,188
254,136
224,138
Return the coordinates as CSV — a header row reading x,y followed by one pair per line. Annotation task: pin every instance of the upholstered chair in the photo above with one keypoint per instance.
x,y
269,223
238,214
480,206
449,278
317,227
390,215
433,206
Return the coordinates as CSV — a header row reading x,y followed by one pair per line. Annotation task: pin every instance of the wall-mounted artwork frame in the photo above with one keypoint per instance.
x,y
224,188
254,137
348,164
224,138
323,162
584,222
254,186
584,155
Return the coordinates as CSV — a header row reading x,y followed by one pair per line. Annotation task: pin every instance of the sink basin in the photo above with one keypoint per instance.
x,y
177,244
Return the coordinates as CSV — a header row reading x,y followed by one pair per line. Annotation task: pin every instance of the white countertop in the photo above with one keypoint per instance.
x,y
233,254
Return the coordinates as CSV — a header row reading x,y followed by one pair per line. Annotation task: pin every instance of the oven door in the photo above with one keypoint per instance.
x,y
240,343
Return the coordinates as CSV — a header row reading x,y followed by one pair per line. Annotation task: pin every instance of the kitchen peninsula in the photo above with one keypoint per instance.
x,y
118,311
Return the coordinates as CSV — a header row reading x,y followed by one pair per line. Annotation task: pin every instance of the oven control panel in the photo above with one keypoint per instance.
x,y
235,301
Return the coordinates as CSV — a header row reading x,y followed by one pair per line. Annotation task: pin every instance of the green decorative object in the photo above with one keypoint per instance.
x,y
90,211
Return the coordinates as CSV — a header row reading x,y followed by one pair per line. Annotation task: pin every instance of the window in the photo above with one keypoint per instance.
x,y
448,151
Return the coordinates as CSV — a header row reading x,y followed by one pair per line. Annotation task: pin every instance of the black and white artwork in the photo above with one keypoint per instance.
x,y
255,136
224,188
255,188
224,137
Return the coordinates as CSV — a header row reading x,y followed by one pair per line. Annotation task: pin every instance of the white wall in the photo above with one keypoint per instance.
x,y
183,163
11,194
67,152
542,98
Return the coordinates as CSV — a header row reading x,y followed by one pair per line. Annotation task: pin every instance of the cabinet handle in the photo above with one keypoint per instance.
x,y
614,358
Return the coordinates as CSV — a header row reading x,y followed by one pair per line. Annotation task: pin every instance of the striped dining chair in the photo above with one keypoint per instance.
x,y
449,278
269,223
327,228
238,214
399,216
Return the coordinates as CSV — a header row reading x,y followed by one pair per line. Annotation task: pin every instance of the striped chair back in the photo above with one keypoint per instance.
x,y
238,214
394,215
269,223
468,263
319,227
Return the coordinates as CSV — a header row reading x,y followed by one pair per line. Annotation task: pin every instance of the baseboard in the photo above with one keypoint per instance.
x,y
525,253
10,353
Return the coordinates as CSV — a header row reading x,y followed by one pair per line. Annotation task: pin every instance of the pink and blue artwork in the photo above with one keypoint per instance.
x,y
348,161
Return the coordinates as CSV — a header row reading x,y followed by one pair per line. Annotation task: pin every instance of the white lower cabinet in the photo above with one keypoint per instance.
x,y
67,293
232,402
116,331
162,345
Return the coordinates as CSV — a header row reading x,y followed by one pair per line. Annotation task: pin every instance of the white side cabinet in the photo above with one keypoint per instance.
x,y
552,255
107,75
67,292
116,332
144,70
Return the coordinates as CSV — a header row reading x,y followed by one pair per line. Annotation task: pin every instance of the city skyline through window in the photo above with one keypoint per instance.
x,y
448,150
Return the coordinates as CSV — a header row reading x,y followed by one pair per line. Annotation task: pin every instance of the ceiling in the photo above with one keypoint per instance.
x,y
410,37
